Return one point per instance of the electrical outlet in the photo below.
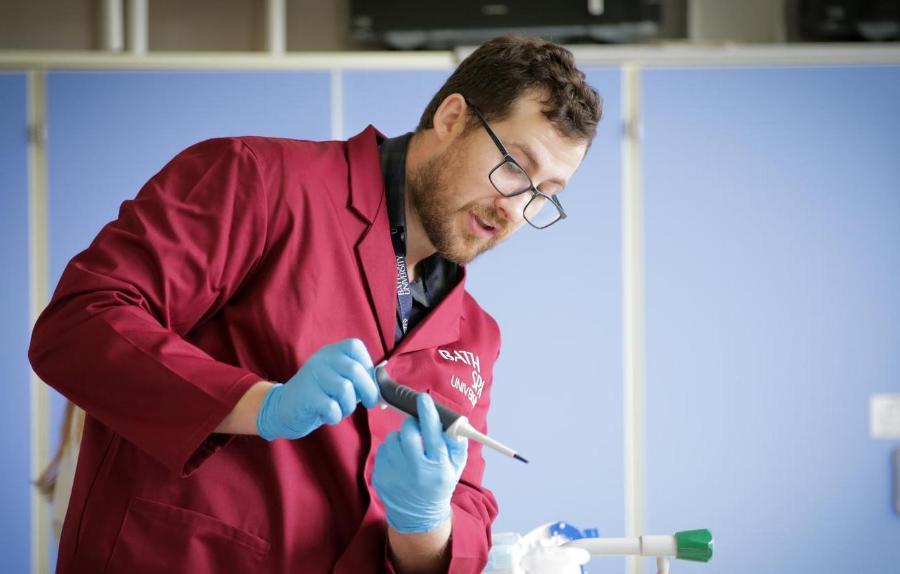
(884, 415)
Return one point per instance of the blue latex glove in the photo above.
(416, 471)
(325, 390)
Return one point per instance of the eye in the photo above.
(551, 188)
(538, 201)
(510, 169)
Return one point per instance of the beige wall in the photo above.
(223, 25)
(206, 25)
(182, 25)
(48, 24)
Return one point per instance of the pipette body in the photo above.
(404, 398)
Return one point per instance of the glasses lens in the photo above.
(541, 212)
(509, 179)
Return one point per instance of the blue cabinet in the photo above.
(772, 202)
(556, 295)
(557, 394)
(109, 132)
(771, 210)
(15, 486)
(391, 100)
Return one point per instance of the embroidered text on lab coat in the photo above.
(471, 391)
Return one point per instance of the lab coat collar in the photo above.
(441, 325)
(366, 192)
(376, 255)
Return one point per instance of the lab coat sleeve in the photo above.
(111, 338)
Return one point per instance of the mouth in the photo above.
(480, 227)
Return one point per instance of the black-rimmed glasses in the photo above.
(510, 179)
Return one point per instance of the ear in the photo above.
(450, 117)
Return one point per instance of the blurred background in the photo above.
(719, 345)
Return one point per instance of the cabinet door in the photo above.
(109, 132)
(772, 203)
(557, 394)
(15, 409)
(391, 100)
(556, 295)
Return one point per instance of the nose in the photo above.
(512, 209)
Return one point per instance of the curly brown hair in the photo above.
(503, 69)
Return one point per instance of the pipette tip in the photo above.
(517, 457)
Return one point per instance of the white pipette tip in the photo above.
(462, 428)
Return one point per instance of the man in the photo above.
(252, 260)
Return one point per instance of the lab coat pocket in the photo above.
(157, 537)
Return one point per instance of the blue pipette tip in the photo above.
(517, 457)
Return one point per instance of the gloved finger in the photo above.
(362, 378)
(339, 390)
(395, 455)
(382, 460)
(458, 450)
(430, 427)
(367, 387)
(356, 350)
(325, 408)
(411, 440)
(390, 450)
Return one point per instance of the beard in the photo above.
(432, 199)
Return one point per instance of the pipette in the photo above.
(403, 399)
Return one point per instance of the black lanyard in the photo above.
(404, 295)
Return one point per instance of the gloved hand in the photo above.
(325, 390)
(416, 471)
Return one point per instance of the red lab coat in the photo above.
(235, 263)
